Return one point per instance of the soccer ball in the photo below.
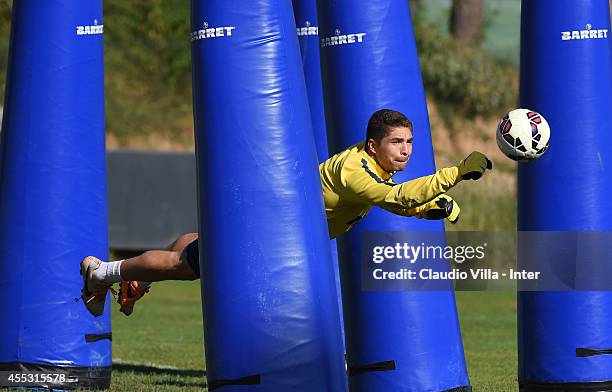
(523, 135)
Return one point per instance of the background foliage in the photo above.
(148, 71)
(148, 66)
(5, 25)
(468, 78)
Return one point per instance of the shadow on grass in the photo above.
(165, 372)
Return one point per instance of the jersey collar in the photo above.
(373, 164)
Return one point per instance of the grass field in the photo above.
(160, 347)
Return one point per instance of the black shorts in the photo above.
(192, 256)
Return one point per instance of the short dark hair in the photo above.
(382, 120)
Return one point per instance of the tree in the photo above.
(415, 7)
(466, 21)
(5, 29)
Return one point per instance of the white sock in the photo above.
(108, 273)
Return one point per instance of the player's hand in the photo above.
(474, 166)
(445, 207)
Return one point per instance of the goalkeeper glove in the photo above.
(441, 207)
(474, 166)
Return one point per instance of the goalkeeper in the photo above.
(353, 181)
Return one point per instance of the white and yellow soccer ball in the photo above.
(523, 135)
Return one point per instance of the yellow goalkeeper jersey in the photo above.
(353, 182)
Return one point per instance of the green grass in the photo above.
(164, 332)
(160, 347)
(488, 327)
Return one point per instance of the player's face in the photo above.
(394, 150)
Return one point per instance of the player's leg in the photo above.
(158, 265)
(131, 291)
(150, 266)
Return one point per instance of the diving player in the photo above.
(353, 181)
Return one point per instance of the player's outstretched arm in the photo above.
(417, 192)
(397, 198)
